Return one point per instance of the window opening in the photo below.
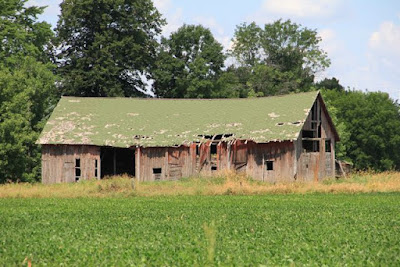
(157, 173)
(77, 170)
(269, 164)
(96, 167)
(218, 137)
(327, 145)
(313, 125)
(213, 149)
(308, 134)
(198, 150)
(213, 168)
(311, 145)
(314, 113)
(157, 170)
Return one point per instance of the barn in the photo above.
(273, 139)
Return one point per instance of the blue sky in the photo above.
(362, 38)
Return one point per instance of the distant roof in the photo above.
(126, 122)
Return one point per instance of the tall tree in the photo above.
(283, 56)
(27, 89)
(107, 47)
(189, 63)
(372, 122)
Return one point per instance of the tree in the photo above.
(108, 47)
(188, 65)
(372, 122)
(27, 89)
(283, 56)
(329, 84)
(21, 34)
(247, 44)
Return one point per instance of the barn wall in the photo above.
(174, 162)
(281, 155)
(177, 162)
(58, 162)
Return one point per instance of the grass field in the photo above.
(226, 220)
(226, 183)
(300, 229)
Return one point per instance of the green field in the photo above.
(312, 229)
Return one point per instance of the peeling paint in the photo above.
(273, 115)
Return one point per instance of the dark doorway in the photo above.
(117, 161)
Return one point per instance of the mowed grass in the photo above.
(224, 183)
(283, 229)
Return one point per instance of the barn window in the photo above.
(328, 145)
(96, 167)
(213, 168)
(77, 169)
(213, 149)
(311, 145)
(157, 173)
(313, 125)
(269, 165)
(308, 134)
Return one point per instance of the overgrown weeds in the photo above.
(224, 183)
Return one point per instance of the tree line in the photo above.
(114, 48)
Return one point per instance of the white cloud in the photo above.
(174, 21)
(331, 43)
(211, 23)
(51, 12)
(162, 5)
(302, 8)
(381, 70)
(217, 30)
(53, 7)
(386, 41)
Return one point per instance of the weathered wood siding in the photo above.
(58, 163)
(281, 156)
(174, 162)
(315, 166)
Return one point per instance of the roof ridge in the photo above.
(190, 99)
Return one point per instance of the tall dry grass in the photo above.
(225, 183)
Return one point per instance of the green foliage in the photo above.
(317, 230)
(188, 65)
(27, 94)
(21, 34)
(27, 89)
(107, 46)
(329, 84)
(233, 83)
(282, 57)
(247, 44)
(371, 124)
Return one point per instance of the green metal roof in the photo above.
(126, 122)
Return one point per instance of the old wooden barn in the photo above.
(272, 139)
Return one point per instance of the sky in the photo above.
(361, 37)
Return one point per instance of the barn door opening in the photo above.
(117, 161)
